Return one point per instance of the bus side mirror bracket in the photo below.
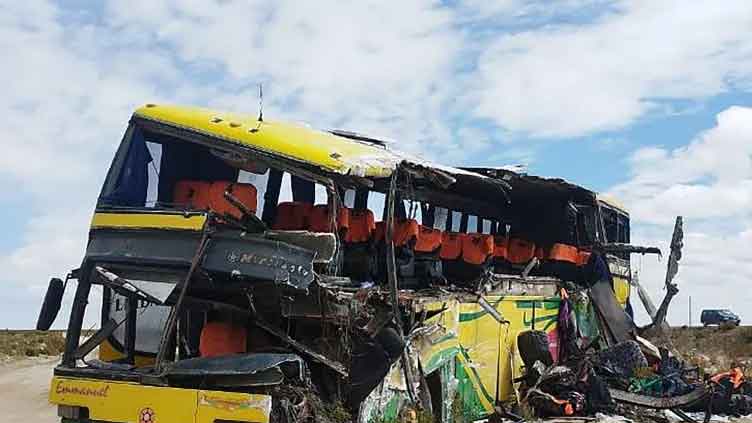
(51, 305)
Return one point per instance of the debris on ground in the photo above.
(631, 380)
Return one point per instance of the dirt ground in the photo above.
(26, 362)
(24, 384)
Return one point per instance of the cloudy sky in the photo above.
(650, 101)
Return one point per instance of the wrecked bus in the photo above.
(260, 271)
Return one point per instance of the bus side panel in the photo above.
(621, 290)
(489, 348)
(110, 401)
(470, 358)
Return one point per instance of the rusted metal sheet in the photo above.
(659, 402)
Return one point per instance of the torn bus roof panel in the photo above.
(526, 187)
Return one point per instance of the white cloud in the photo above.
(709, 182)
(368, 66)
(710, 177)
(569, 80)
(69, 90)
(50, 247)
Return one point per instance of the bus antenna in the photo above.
(261, 103)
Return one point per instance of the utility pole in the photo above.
(690, 311)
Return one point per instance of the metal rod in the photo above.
(73, 335)
(175, 311)
(391, 265)
(532, 321)
(301, 348)
(683, 415)
(131, 305)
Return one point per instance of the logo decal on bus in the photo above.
(147, 415)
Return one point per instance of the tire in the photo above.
(624, 358)
(533, 346)
(51, 304)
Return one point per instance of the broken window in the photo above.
(149, 317)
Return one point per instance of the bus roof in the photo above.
(342, 153)
(351, 154)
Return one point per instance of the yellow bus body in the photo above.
(115, 401)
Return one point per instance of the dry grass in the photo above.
(31, 343)
(716, 348)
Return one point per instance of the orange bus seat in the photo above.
(343, 219)
(477, 248)
(427, 267)
(379, 233)
(245, 193)
(362, 226)
(429, 240)
(405, 231)
(561, 262)
(220, 338)
(320, 220)
(564, 252)
(501, 263)
(501, 247)
(451, 245)
(292, 216)
(360, 260)
(192, 194)
(520, 251)
(583, 256)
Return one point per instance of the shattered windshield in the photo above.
(152, 170)
(150, 317)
